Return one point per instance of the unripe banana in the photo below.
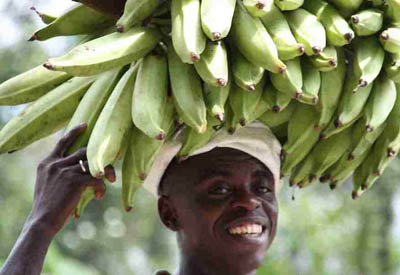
(390, 39)
(216, 24)
(215, 99)
(273, 119)
(187, 92)
(92, 104)
(392, 67)
(29, 86)
(213, 64)
(254, 42)
(349, 110)
(311, 82)
(87, 196)
(367, 22)
(363, 174)
(150, 96)
(258, 8)
(393, 10)
(45, 17)
(193, 140)
(291, 81)
(287, 5)
(187, 36)
(338, 31)
(244, 102)
(394, 127)
(307, 30)
(112, 126)
(80, 19)
(277, 100)
(325, 60)
(332, 83)
(368, 61)
(347, 6)
(45, 116)
(231, 121)
(262, 106)
(380, 102)
(278, 27)
(120, 48)
(245, 74)
(323, 155)
(136, 11)
(377, 3)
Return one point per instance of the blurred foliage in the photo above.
(320, 232)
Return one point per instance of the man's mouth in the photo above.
(247, 230)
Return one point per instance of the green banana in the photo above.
(136, 11)
(350, 108)
(216, 24)
(392, 67)
(287, 5)
(311, 82)
(112, 126)
(331, 89)
(258, 8)
(215, 99)
(362, 143)
(278, 27)
(273, 119)
(338, 31)
(87, 196)
(150, 96)
(46, 18)
(187, 92)
(394, 127)
(30, 85)
(368, 61)
(393, 10)
(276, 100)
(254, 42)
(377, 3)
(80, 19)
(245, 74)
(262, 106)
(390, 40)
(231, 121)
(323, 155)
(193, 141)
(347, 6)
(380, 102)
(213, 64)
(120, 48)
(307, 30)
(187, 35)
(325, 60)
(244, 102)
(92, 104)
(367, 22)
(45, 116)
(291, 81)
(362, 173)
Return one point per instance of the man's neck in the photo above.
(192, 265)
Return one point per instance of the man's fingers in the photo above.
(66, 141)
(98, 186)
(110, 173)
(81, 168)
(75, 157)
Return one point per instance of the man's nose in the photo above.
(246, 200)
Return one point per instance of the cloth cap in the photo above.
(256, 140)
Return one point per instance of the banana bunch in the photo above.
(324, 75)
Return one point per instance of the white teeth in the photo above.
(246, 229)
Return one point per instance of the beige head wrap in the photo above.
(256, 140)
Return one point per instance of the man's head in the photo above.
(211, 198)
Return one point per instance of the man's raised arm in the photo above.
(60, 182)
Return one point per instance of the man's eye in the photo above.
(263, 189)
(220, 190)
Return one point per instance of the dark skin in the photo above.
(60, 182)
(201, 199)
(206, 195)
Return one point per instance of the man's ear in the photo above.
(167, 213)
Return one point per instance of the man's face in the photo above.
(225, 206)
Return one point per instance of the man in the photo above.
(221, 202)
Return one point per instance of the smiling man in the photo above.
(221, 201)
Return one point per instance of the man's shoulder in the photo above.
(162, 272)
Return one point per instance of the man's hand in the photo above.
(60, 182)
